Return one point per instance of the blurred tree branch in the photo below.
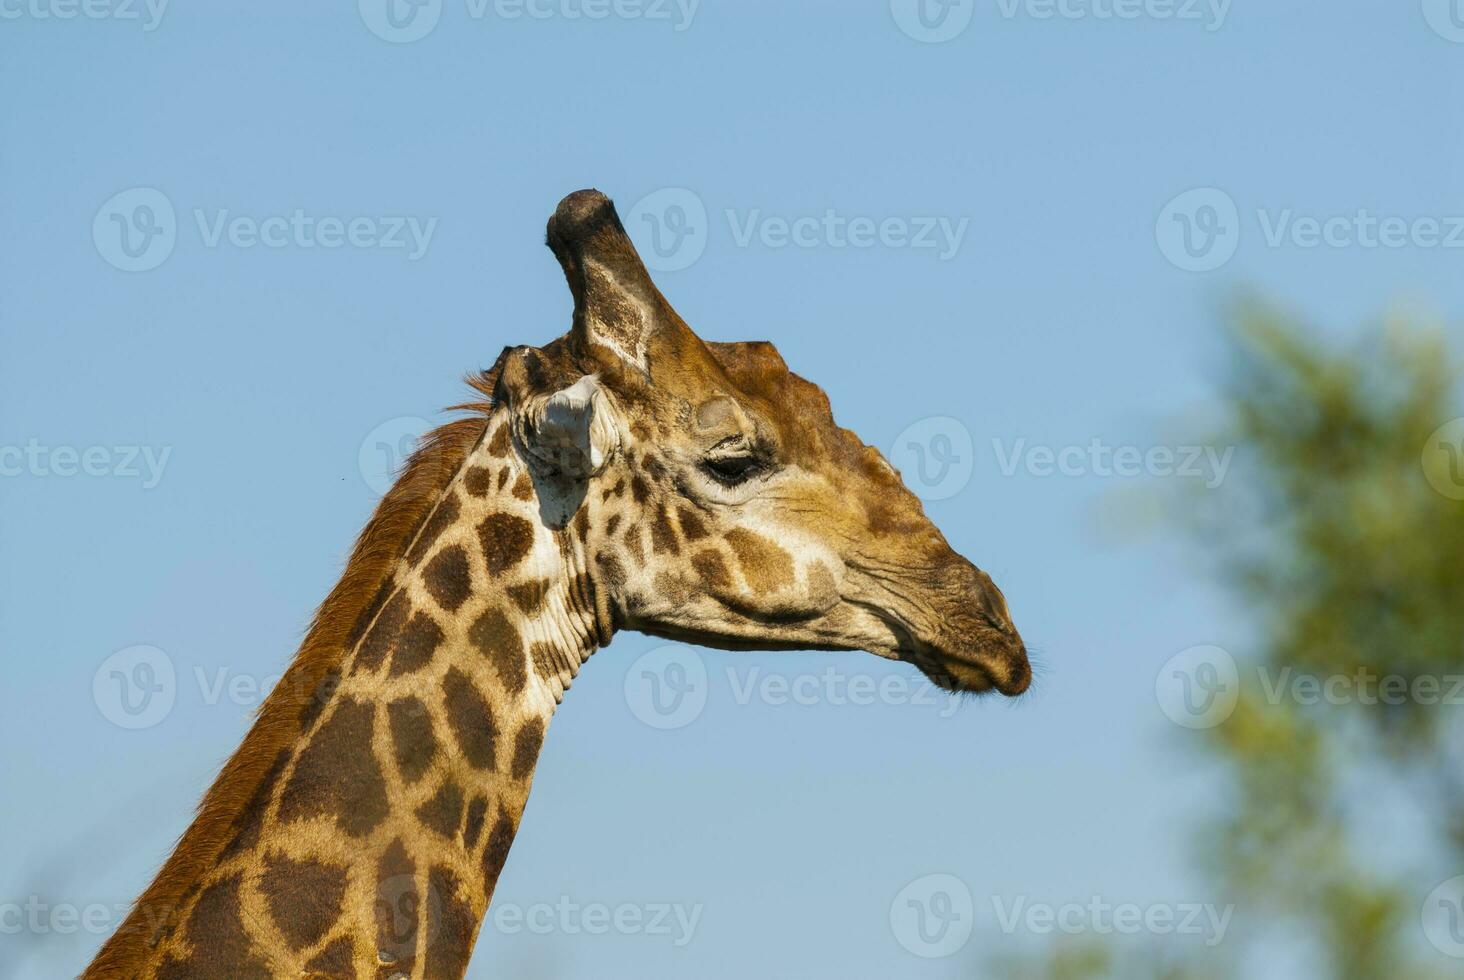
(1349, 565)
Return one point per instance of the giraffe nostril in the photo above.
(992, 604)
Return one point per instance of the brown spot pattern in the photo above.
(221, 947)
(447, 578)
(500, 839)
(672, 589)
(635, 541)
(506, 540)
(821, 585)
(251, 818)
(766, 566)
(383, 633)
(470, 719)
(663, 535)
(545, 664)
(478, 480)
(473, 825)
(498, 442)
(452, 941)
(499, 642)
(444, 811)
(523, 487)
(529, 596)
(711, 568)
(335, 960)
(411, 737)
(336, 774)
(369, 613)
(444, 517)
(691, 524)
(416, 645)
(613, 571)
(526, 747)
(397, 908)
(325, 689)
(303, 897)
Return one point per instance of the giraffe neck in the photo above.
(373, 846)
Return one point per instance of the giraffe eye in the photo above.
(732, 470)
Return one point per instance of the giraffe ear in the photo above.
(566, 433)
(569, 433)
(617, 308)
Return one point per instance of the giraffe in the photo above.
(627, 475)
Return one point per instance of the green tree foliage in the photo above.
(1340, 787)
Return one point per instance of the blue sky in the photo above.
(189, 449)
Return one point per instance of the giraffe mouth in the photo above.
(1010, 679)
(1008, 675)
(966, 659)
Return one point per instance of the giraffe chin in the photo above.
(1009, 674)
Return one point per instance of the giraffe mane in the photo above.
(392, 526)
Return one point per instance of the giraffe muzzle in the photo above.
(964, 640)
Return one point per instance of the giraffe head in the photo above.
(715, 499)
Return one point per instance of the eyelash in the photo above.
(735, 469)
(732, 470)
